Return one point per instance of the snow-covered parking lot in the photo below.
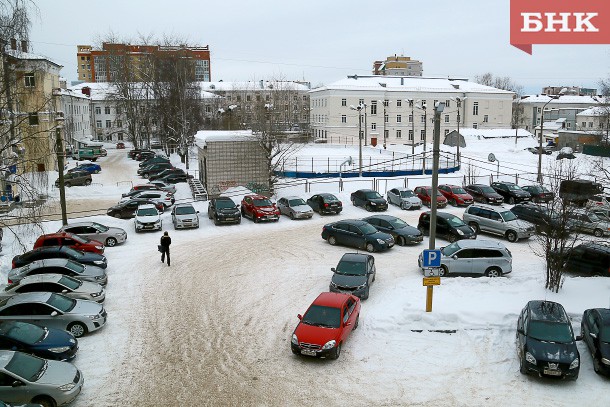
(214, 328)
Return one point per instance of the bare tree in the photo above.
(500, 82)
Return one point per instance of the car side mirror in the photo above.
(334, 270)
(300, 317)
(64, 291)
(348, 323)
(54, 313)
(521, 331)
(592, 335)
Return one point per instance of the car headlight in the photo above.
(460, 233)
(575, 363)
(98, 262)
(95, 295)
(531, 359)
(67, 387)
(373, 203)
(606, 361)
(94, 317)
(333, 284)
(360, 287)
(99, 247)
(380, 241)
(60, 349)
(329, 345)
(294, 339)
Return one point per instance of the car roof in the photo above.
(381, 216)
(56, 234)
(496, 208)
(146, 206)
(355, 257)
(355, 222)
(335, 300)
(596, 246)
(255, 196)
(327, 195)
(55, 262)
(444, 215)
(27, 297)
(504, 182)
(5, 357)
(69, 225)
(45, 277)
(366, 190)
(403, 189)
(479, 244)
(224, 198)
(604, 313)
(183, 204)
(291, 197)
(541, 310)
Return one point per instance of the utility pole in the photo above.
(438, 109)
(412, 106)
(359, 109)
(60, 167)
(425, 137)
(459, 137)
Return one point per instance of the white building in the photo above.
(388, 112)
(76, 107)
(565, 107)
(595, 119)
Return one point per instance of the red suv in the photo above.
(425, 194)
(457, 196)
(259, 208)
(326, 325)
(69, 239)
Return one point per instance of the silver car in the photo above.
(185, 216)
(67, 267)
(32, 379)
(589, 222)
(497, 220)
(294, 207)
(110, 236)
(55, 283)
(54, 311)
(164, 186)
(404, 198)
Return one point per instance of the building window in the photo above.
(475, 108)
(386, 103)
(485, 119)
(107, 109)
(539, 110)
(119, 136)
(475, 125)
(361, 102)
(343, 118)
(386, 118)
(119, 123)
(248, 98)
(398, 134)
(374, 107)
(33, 119)
(399, 103)
(386, 134)
(343, 102)
(30, 81)
(590, 124)
(447, 102)
(411, 135)
(98, 124)
(398, 118)
(109, 137)
(373, 126)
(118, 110)
(446, 118)
(584, 124)
(98, 110)
(422, 119)
(569, 125)
(446, 132)
(422, 134)
(410, 118)
(108, 124)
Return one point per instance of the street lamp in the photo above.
(59, 120)
(458, 102)
(438, 109)
(551, 98)
(412, 106)
(422, 105)
(385, 105)
(359, 108)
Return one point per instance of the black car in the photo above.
(541, 218)
(47, 343)
(448, 226)
(145, 155)
(358, 234)
(369, 200)
(539, 193)
(545, 341)
(62, 252)
(168, 171)
(484, 194)
(354, 275)
(153, 169)
(223, 210)
(325, 204)
(134, 152)
(126, 210)
(174, 178)
(592, 259)
(595, 331)
(511, 192)
(153, 160)
(401, 231)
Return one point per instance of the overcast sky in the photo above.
(322, 41)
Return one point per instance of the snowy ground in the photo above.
(214, 328)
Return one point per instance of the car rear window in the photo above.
(262, 202)
(185, 210)
(558, 332)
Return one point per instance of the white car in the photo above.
(164, 186)
(147, 218)
(294, 207)
(404, 198)
(166, 198)
(185, 216)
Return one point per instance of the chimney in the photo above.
(24, 46)
(86, 90)
(14, 44)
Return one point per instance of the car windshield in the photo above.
(70, 282)
(261, 202)
(80, 239)
(74, 266)
(62, 303)
(351, 268)
(487, 190)
(397, 223)
(451, 249)
(329, 198)
(459, 191)
(594, 218)
(508, 216)
(100, 227)
(549, 331)
(535, 189)
(22, 332)
(147, 212)
(318, 315)
(604, 333)
(368, 229)
(72, 252)
(222, 204)
(513, 187)
(296, 202)
(455, 221)
(26, 366)
(372, 195)
(185, 210)
(406, 194)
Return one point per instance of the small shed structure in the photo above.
(470, 135)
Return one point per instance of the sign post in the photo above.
(432, 267)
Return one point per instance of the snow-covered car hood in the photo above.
(301, 208)
(412, 200)
(148, 218)
(86, 307)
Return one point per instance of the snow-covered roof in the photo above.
(202, 137)
(30, 57)
(73, 94)
(409, 83)
(493, 133)
(106, 90)
(253, 86)
(596, 111)
(567, 99)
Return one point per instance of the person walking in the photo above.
(164, 246)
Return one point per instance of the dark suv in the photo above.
(541, 218)
(223, 210)
(153, 169)
(448, 226)
(484, 194)
(369, 200)
(325, 204)
(588, 259)
(511, 192)
(75, 178)
(353, 275)
(545, 341)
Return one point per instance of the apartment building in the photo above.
(595, 120)
(77, 114)
(569, 90)
(563, 107)
(398, 65)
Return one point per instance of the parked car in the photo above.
(162, 197)
(545, 341)
(448, 227)
(536, 150)
(67, 267)
(456, 195)
(539, 193)
(164, 186)
(325, 204)
(162, 174)
(404, 198)
(579, 191)
(56, 283)
(145, 155)
(326, 325)
(133, 153)
(37, 380)
(401, 231)
(60, 252)
(110, 236)
(155, 168)
(595, 331)
(602, 213)
(561, 155)
(259, 208)
(498, 221)
(484, 194)
(91, 168)
(544, 221)
(147, 218)
(71, 240)
(511, 192)
(54, 311)
(120, 145)
(185, 216)
(48, 343)
(154, 160)
(589, 259)
(76, 178)
(358, 234)
(599, 201)
(223, 210)
(294, 207)
(588, 222)
(125, 210)
(353, 275)
(474, 257)
(175, 178)
(141, 187)
(369, 199)
(425, 194)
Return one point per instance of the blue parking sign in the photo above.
(432, 258)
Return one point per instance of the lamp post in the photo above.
(422, 106)
(412, 106)
(438, 109)
(365, 125)
(551, 98)
(458, 102)
(359, 108)
(385, 105)
(59, 120)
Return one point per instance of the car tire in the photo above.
(422, 230)
(67, 184)
(357, 322)
(511, 200)
(493, 272)
(368, 208)
(401, 241)
(336, 352)
(370, 248)
(451, 238)
(511, 236)
(77, 329)
(44, 401)
(291, 215)
(596, 365)
(365, 296)
(403, 206)
(475, 227)
(111, 242)
(296, 352)
(522, 368)
(87, 182)
(598, 233)
(443, 272)
(216, 221)
(254, 218)
(452, 202)
(332, 240)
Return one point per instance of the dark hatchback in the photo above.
(545, 341)
(511, 192)
(166, 172)
(541, 218)
(448, 226)
(354, 275)
(539, 193)
(127, 209)
(325, 204)
(358, 234)
(369, 200)
(223, 210)
(174, 178)
(588, 259)
(62, 252)
(48, 343)
(401, 231)
(595, 331)
(484, 194)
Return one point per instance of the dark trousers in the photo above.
(163, 253)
